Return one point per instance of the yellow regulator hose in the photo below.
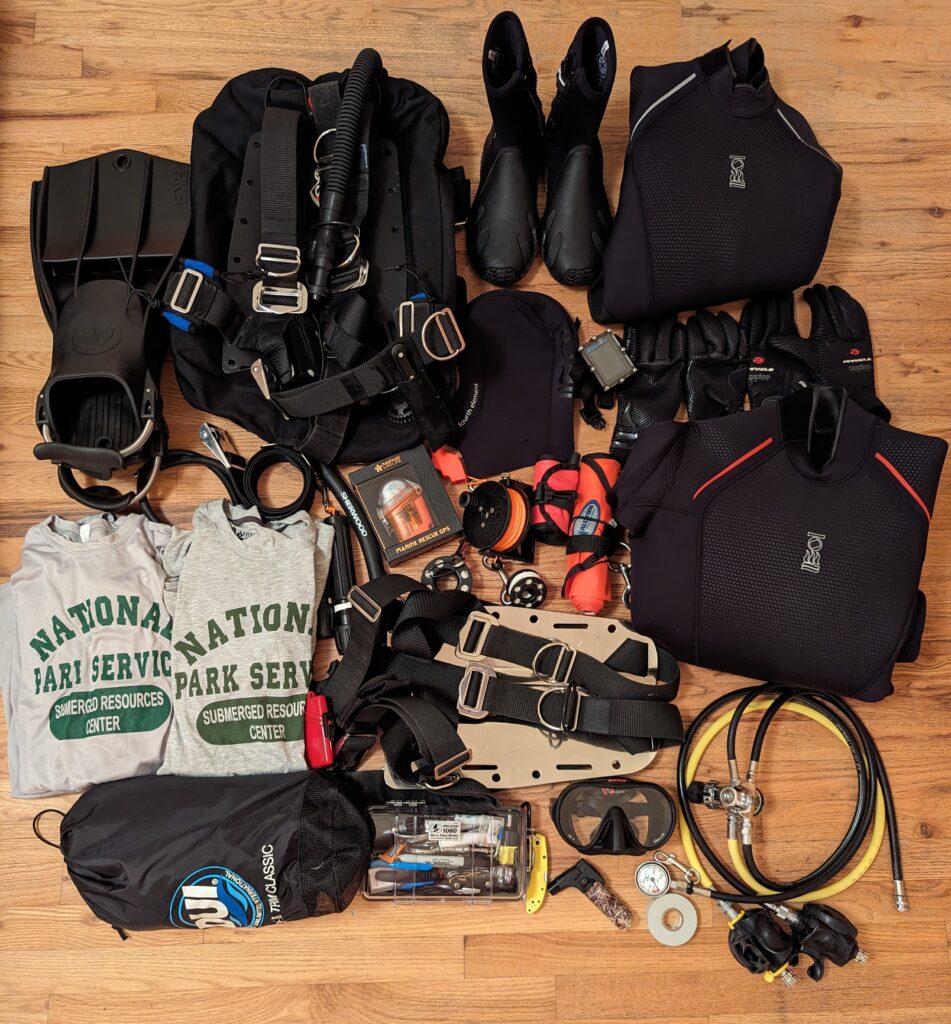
(860, 868)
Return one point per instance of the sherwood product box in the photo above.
(406, 504)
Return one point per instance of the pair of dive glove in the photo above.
(711, 362)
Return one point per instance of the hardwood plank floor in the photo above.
(79, 77)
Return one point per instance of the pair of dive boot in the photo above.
(503, 228)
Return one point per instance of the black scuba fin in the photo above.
(105, 233)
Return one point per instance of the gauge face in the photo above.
(652, 879)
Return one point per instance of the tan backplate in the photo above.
(506, 755)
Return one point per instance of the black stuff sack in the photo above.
(238, 852)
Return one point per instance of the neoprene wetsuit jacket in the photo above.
(784, 544)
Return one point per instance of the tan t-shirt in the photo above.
(85, 654)
(243, 594)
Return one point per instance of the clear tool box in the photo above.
(422, 853)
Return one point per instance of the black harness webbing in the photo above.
(394, 687)
(279, 177)
(596, 546)
(546, 496)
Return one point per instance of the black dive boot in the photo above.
(577, 218)
(503, 224)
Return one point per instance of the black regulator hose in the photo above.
(870, 776)
(333, 195)
(242, 479)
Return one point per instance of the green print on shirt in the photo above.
(117, 709)
(244, 622)
(252, 720)
(214, 679)
(104, 668)
(99, 612)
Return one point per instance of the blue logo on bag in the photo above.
(216, 897)
(587, 520)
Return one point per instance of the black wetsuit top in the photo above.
(758, 551)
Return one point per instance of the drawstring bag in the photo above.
(235, 852)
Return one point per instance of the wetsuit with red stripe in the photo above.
(785, 543)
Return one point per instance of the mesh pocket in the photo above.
(334, 847)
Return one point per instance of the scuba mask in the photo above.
(616, 816)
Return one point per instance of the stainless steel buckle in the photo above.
(189, 273)
(284, 259)
(486, 673)
(452, 338)
(320, 138)
(352, 255)
(463, 651)
(564, 663)
(364, 604)
(270, 298)
(315, 190)
(402, 327)
(450, 780)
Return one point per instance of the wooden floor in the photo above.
(79, 77)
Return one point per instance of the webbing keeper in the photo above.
(364, 604)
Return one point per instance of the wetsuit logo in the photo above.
(810, 560)
(216, 897)
(737, 171)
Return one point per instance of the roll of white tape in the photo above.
(659, 908)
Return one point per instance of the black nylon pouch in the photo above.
(237, 852)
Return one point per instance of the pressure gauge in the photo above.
(652, 879)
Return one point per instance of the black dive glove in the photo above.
(780, 359)
(716, 365)
(837, 353)
(843, 346)
(654, 393)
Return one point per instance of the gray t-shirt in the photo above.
(85, 654)
(243, 595)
